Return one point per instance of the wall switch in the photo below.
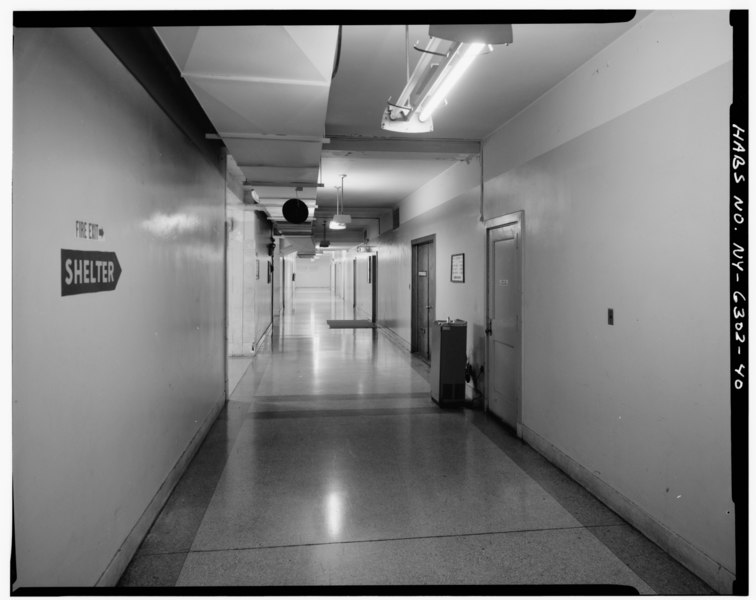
(611, 316)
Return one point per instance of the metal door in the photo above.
(504, 322)
(424, 288)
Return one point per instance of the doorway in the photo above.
(354, 286)
(423, 293)
(372, 264)
(504, 307)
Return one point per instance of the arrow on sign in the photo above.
(87, 271)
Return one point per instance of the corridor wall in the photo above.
(456, 223)
(631, 213)
(111, 390)
(622, 171)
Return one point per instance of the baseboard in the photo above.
(714, 574)
(128, 549)
(394, 337)
(262, 339)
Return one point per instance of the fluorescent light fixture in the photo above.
(451, 74)
(438, 70)
(341, 219)
(336, 225)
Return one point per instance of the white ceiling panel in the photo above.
(376, 182)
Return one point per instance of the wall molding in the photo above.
(128, 549)
(705, 567)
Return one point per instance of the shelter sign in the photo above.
(86, 271)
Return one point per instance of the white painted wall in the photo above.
(109, 388)
(235, 269)
(314, 273)
(622, 173)
(456, 224)
(631, 213)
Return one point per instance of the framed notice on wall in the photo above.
(458, 268)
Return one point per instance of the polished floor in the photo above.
(330, 466)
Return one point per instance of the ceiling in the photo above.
(299, 106)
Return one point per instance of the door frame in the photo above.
(413, 288)
(373, 263)
(354, 283)
(515, 218)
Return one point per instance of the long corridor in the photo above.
(331, 466)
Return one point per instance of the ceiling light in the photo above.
(340, 220)
(438, 70)
(448, 78)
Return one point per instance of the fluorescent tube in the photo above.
(448, 79)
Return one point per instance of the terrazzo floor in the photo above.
(330, 466)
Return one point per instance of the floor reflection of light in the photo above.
(334, 513)
(316, 355)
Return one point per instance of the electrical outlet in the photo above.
(611, 316)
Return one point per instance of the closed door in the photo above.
(424, 288)
(504, 322)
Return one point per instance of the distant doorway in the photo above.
(423, 293)
(372, 265)
(503, 331)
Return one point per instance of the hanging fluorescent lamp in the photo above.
(340, 220)
(434, 77)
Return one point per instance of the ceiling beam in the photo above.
(253, 184)
(270, 137)
(253, 79)
(450, 146)
(261, 166)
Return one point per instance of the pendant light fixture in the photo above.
(340, 220)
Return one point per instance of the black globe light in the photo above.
(295, 211)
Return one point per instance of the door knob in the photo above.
(428, 307)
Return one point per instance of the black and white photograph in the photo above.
(416, 301)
